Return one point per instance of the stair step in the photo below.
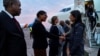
(93, 41)
(95, 46)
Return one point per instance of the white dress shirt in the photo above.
(8, 14)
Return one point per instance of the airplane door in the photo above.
(97, 8)
(80, 5)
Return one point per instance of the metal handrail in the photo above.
(88, 31)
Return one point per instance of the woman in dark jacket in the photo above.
(76, 44)
(54, 43)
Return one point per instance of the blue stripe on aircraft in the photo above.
(98, 11)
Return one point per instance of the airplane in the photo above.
(64, 13)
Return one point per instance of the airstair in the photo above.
(93, 37)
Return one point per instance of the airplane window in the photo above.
(65, 9)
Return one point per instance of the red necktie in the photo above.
(17, 24)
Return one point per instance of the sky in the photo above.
(31, 7)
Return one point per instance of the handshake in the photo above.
(61, 38)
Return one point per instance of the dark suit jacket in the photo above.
(54, 30)
(40, 35)
(12, 42)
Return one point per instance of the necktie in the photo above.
(17, 24)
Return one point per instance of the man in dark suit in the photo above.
(40, 35)
(12, 42)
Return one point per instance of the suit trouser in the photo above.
(98, 52)
(40, 52)
(93, 23)
(77, 55)
(53, 50)
(64, 49)
(60, 50)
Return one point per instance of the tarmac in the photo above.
(30, 52)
